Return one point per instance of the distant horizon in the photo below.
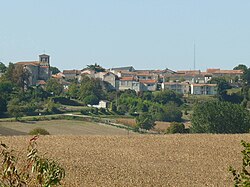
(144, 33)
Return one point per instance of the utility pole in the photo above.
(194, 57)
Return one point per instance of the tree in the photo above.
(241, 67)
(54, 70)
(222, 86)
(176, 128)
(3, 68)
(91, 100)
(3, 106)
(145, 121)
(246, 77)
(90, 86)
(171, 112)
(73, 91)
(220, 117)
(95, 67)
(53, 86)
(167, 96)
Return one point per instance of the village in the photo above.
(193, 82)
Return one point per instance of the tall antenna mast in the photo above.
(194, 57)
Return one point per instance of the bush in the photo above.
(86, 111)
(94, 110)
(176, 128)
(39, 131)
(242, 178)
(35, 171)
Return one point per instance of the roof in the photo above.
(127, 79)
(33, 63)
(195, 72)
(176, 83)
(229, 72)
(148, 81)
(40, 82)
(71, 71)
(127, 68)
(212, 70)
(198, 85)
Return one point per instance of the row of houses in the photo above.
(184, 82)
(124, 78)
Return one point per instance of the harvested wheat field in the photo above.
(60, 127)
(144, 160)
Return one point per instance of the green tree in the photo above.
(220, 117)
(91, 100)
(241, 67)
(90, 86)
(3, 68)
(73, 91)
(96, 67)
(145, 121)
(176, 128)
(3, 106)
(166, 96)
(53, 86)
(246, 77)
(222, 86)
(54, 70)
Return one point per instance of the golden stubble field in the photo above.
(141, 160)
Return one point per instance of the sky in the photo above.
(147, 34)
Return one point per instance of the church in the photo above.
(39, 70)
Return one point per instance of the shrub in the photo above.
(176, 128)
(39, 131)
(35, 171)
(86, 111)
(242, 178)
(94, 110)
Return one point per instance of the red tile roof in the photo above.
(40, 82)
(127, 79)
(33, 63)
(198, 85)
(148, 81)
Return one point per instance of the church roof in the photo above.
(33, 63)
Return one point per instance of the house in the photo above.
(108, 77)
(71, 74)
(102, 104)
(182, 88)
(123, 69)
(204, 89)
(149, 85)
(39, 70)
(131, 83)
(229, 74)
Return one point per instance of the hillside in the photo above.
(172, 160)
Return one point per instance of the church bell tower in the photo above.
(44, 60)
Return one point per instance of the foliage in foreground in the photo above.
(242, 178)
(36, 171)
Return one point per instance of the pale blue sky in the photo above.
(148, 34)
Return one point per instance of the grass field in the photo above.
(60, 127)
(143, 160)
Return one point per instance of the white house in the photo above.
(204, 89)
